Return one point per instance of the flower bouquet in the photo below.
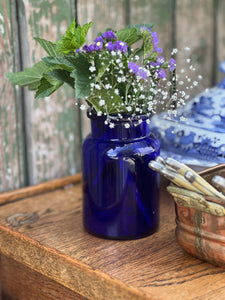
(122, 86)
(114, 78)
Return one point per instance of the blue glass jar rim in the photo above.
(116, 119)
(119, 132)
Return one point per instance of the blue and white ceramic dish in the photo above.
(199, 139)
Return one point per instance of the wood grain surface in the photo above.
(57, 246)
(20, 282)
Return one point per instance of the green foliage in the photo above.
(48, 46)
(112, 107)
(30, 77)
(109, 74)
(73, 39)
(128, 35)
(81, 74)
(47, 86)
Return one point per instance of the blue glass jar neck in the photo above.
(136, 129)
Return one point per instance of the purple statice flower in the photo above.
(160, 60)
(155, 38)
(143, 28)
(158, 49)
(137, 70)
(98, 46)
(110, 46)
(172, 64)
(99, 39)
(109, 35)
(90, 48)
(161, 73)
(120, 45)
(152, 64)
(133, 67)
(141, 73)
(155, 42)
(78, 50)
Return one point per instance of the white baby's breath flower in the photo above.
(174, 51)
(111, 125)
(136, 57)
(108, 86)
(99, 113)
(92, 68)
(127, 125)
(83, 107)
(102, 102)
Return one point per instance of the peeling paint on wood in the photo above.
(194, 22)
(11, 151)
(53, 123)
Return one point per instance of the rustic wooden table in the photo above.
(47, 254)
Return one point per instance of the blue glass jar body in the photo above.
(120, 191)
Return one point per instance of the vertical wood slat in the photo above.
(220, 19)
(11, 138)
(50, 122)
(194, 22)
(160, 14)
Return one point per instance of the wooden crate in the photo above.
(47, 254)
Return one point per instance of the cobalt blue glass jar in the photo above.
(120, 191)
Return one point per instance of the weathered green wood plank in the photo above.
(11, 146)
(52, 121)
(194, 27)
(220, 37)
(160, 14)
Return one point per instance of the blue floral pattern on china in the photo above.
(196, 135)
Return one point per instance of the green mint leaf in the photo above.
(66, 46)
(71, 29)
(84, 30)
(128, 35)
(60, 62)
(47, 86)
(48, 46)
(82, 74)
(74, 38)
(29, 76)
(63, 76)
